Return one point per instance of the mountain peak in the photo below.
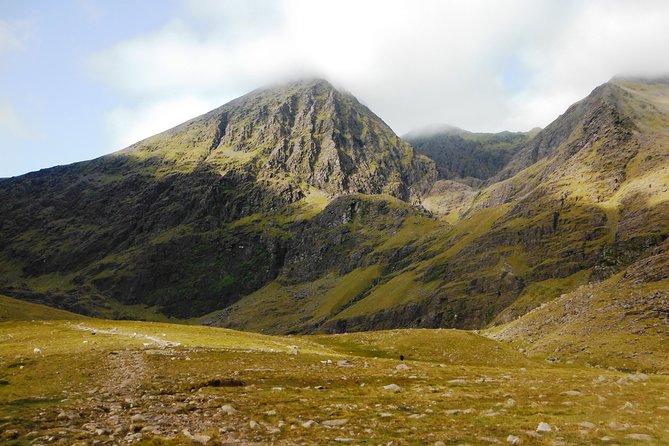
(301, 132)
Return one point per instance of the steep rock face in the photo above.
(308, 131)
(463, 155)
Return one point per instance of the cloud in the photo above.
(14, 34)
(12, 123)
(481, 65)
(127, 125)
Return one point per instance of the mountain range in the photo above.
(295, 209)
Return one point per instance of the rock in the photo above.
(509, 403)
(439, 443)
(89, 427)
(640, 437)
(458, 381)
(633, 378)
(544, 427)
(271, 413)
(457, 411)
(150, 429)
(121, 430)
(571, 393)
(308, 424)
(402, 367)
(512, 439)
(393, 388)
(385, 415)
(627, 406)
(228, 409)
(201, 438)
(11, 434)
(253, 424)
(138, 418)
(68, 416)
(586, 425)
(277, 389)
(334, 423)
(344, 363)
(131, 438)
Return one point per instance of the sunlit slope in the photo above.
(17, 310)
(621, 322)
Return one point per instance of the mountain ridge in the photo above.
(251, 217)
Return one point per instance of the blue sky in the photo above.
(81, 78)
(59, 106)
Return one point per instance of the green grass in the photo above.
(348, 287)
(397, 291)
(456, 387)
(17, 310)
(614, 323)
(541, 292)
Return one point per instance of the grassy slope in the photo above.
(459, 387)
(16, 310)
(622, 322)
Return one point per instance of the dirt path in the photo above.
(126, 370)
(115, 332)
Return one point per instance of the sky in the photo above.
(82, 78)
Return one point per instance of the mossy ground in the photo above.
(131, 381)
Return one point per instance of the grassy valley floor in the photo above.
(89, 381)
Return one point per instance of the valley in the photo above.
(154, 383)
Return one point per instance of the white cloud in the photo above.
(127, 125)
(14, 34)
(11, 121)
(481, 65)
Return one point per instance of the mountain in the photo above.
(189, 220)
(593, 202)
(294, 209)
(464, 155)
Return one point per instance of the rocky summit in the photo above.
(295, 209)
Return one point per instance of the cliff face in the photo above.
(308, 132)
(467, 156)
